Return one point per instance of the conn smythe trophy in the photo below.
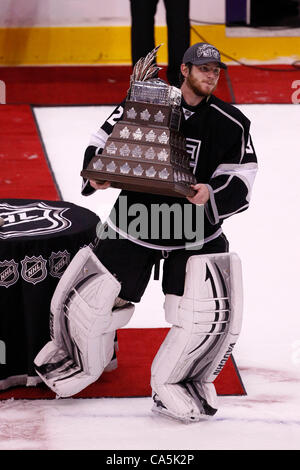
(146, 152)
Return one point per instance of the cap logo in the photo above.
(207, 51)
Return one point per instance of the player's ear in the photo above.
(184, 70)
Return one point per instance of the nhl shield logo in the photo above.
(58, 263)
(8, 273)
(38, 218)
(34, 269)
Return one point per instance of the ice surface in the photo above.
(267, 418)
(266, 237)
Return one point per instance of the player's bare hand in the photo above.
(202, 194)
(104, 185)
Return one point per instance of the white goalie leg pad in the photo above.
(83, 322)
(206, 324)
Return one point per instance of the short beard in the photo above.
(195, 89)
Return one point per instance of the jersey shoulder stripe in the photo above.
(231, 112)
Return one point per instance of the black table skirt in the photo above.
(37, 242)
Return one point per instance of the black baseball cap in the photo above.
(203, 53)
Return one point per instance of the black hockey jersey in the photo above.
(221, 156)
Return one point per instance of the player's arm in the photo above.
(231, 183)
(95, 147)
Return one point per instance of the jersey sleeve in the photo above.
(231, 183)
(97, 143)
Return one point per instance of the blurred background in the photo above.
(97, 33)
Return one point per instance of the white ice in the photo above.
(268, 351)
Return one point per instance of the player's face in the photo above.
(203, 79)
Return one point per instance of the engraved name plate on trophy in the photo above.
(146, 151)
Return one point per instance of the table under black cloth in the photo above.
(37, 242)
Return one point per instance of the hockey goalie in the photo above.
(202, 286)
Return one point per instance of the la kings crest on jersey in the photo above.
(193, 149)
(192, 144)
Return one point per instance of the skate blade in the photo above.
(167, 414)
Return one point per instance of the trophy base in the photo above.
(141, 185)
